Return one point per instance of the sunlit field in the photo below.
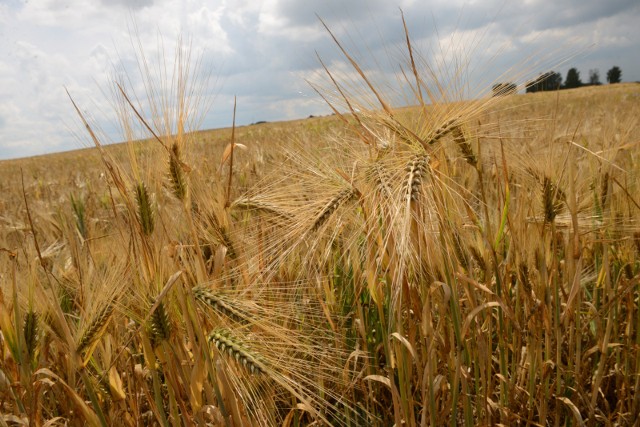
(455, 262)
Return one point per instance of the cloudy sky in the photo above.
(264, 52)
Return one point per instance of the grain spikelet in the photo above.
(227, 344)
(79, 212)
(464, 146)
(30, 331)
(176, 173)
(381, 178)
(443, 130)
(145, 209)
(220, 305)
(415, 169)
(551, 198)
(478, 258)
(604, 190)
(523, 272)
(261, 205)
(331, 206)
(160, 324)
(96, 327)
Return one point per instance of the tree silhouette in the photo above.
(594, 77)
(546, 81)
(573, 79)
(614, 75)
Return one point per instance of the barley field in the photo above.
(455, 262)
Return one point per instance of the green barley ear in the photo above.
(145, 209)
(229, 345)
(96, 328)
(160, 325)
(79, 213)
(66, 299)
(604, 190)
(30, 331)
(176, 173)
(552, 199)
(220, 305)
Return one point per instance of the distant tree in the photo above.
(594, 77)
(502, 89)
(614, 75)
(546, 81)
(573, 79)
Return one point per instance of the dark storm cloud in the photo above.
(567, 13)
(370, 19)
(380, 31)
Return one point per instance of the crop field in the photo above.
(456, 262)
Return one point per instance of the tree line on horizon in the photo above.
(552, 80)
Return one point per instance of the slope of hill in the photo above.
(469, 263)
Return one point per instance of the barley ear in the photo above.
(176, 173)
(604, 190)
(79, 212)
(30, 331)
(145, 209)
(442, 131)
(464, 146)
(331, 206)
(95, 329)
(415, 169)
(159, 325)
(552, 199)
(220, 305)
(229, 345)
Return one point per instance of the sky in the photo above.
(265, 54)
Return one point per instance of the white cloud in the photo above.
(263, 50)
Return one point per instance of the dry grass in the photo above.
(453, 263)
